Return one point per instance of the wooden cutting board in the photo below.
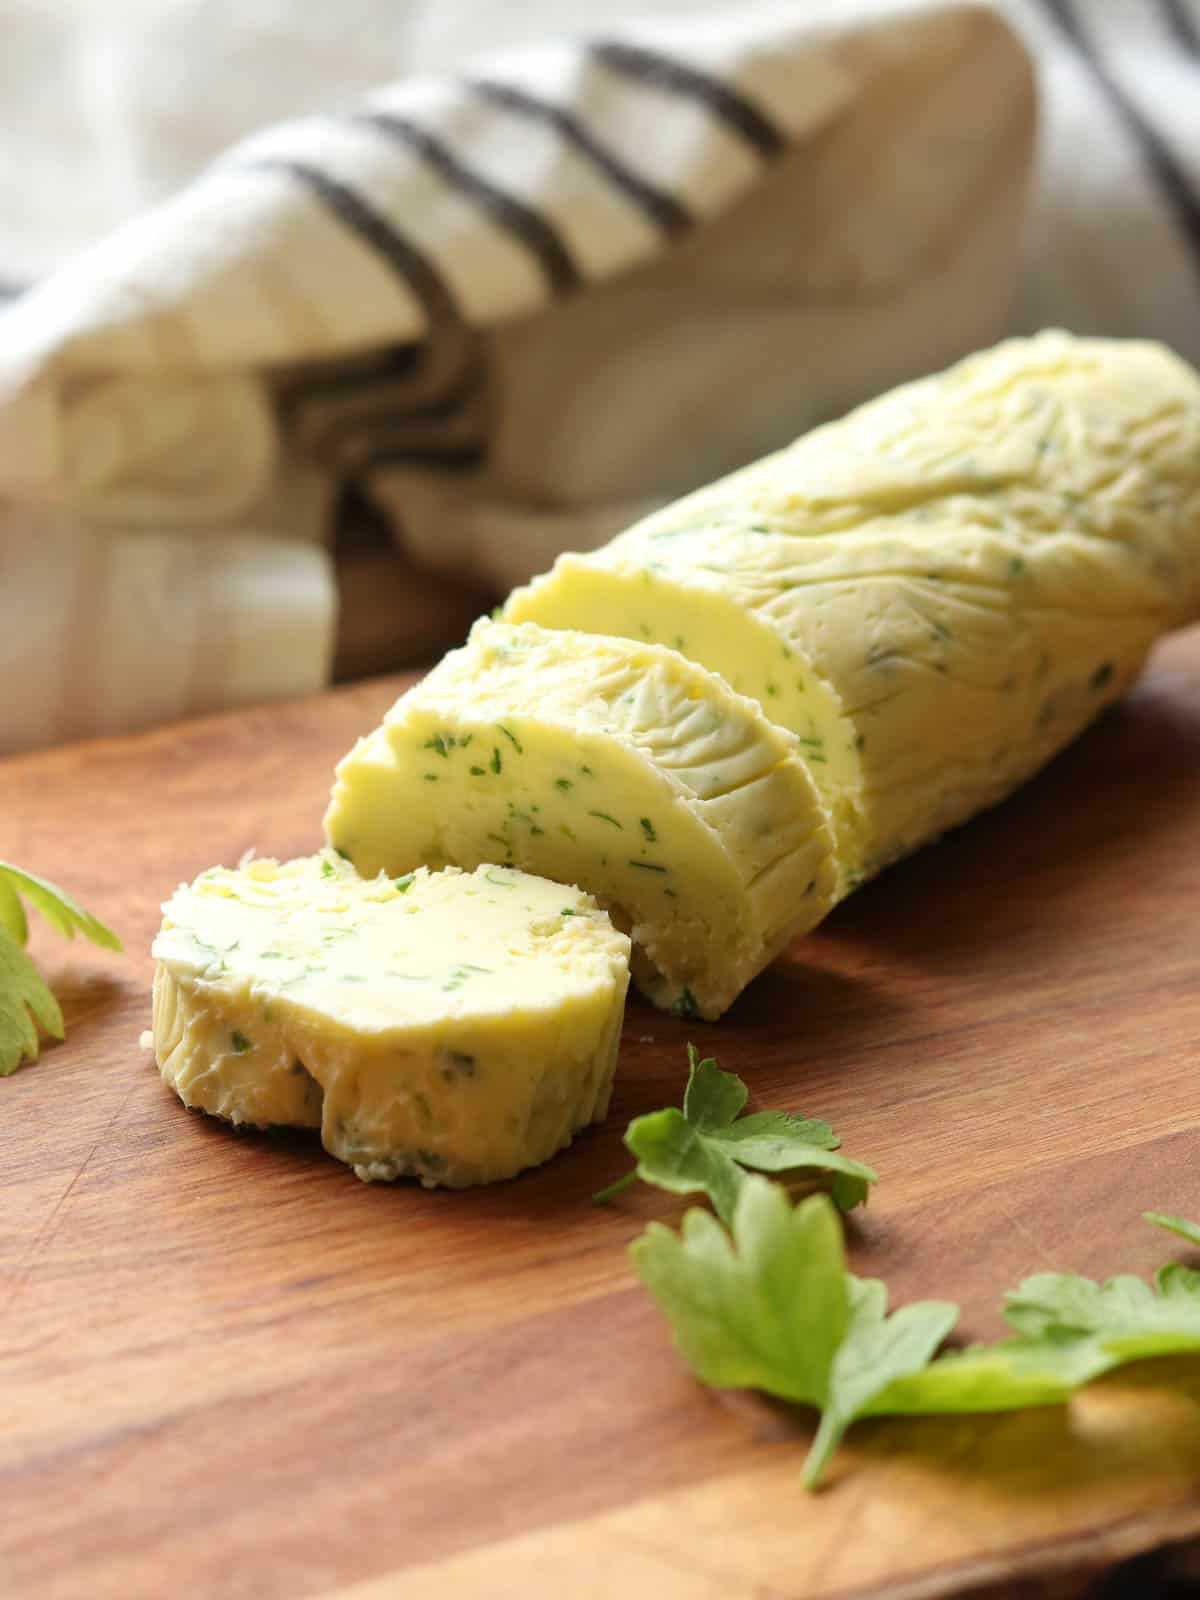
(231, 1369)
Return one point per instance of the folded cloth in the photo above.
(517, 306)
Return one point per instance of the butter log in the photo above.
(939, 591)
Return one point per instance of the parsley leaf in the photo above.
(769, 1305)
(877, 1352)
(705, 1147)
(1128, 1317)
(1180, 1225)
(1070, 1330)
(1006, 1376)
(23, 991)
(63, 914)
(773, 1308)
(25, 999)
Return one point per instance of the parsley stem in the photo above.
(824, 1444)
(614, 1189)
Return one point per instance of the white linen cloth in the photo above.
(519, 301)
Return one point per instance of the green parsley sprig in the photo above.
(1180, 1225)
(26, 1003)
(769, 1305)
(705, 1147)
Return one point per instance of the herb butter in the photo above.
(939, 591)
(456, 1027)
(616, 765)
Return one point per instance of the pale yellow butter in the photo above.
(455, 1027)
(616, 765)
(937, 592)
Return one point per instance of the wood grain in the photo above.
(229, 1369)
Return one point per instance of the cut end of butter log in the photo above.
(452, 1026)
(617, 765)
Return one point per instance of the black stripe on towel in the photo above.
(416, 270)
(663, 209)
(375, 412)
(335, 379)
(531, 229)
(1167, 173)
(1183, 25)
(732, 108)
(450, 457)
(424, 281)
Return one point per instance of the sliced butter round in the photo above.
(456, 1027)
(937, 592)
(619, 766)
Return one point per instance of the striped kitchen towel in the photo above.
(518, 305)
(1113, 236)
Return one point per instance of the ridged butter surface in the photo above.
(937, 592)
(452, 1026)
(619, 766)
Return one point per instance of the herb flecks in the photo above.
(1102, 677)
(685, 1005)
(458, 1064)
(462, 973)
